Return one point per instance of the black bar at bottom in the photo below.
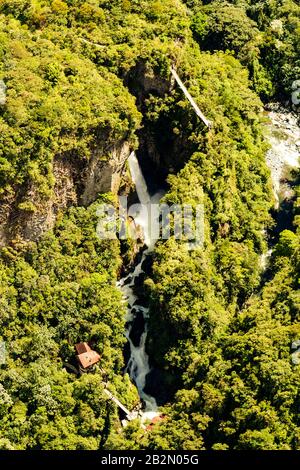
(137, 459)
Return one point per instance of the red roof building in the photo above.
(86, 356)
(155, 420)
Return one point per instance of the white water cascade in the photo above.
(138, 364)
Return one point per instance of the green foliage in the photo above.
(223, 346)
(57, 103)
(265, 36)
(61, 291)
(239, 388)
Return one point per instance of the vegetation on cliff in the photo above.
(72, 69)
(55, 294)
(264, 36)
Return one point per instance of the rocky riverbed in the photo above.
(284, 137)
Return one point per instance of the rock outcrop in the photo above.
(75, 184)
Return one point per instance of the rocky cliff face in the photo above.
(142, 80)
(103, 173)
(75, 184)
(78, 182)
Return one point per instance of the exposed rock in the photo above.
(142, 80)
(127, 280)
(137, 329)
(139, 280)
(2, 93)
(126, 352)
(284, 153)
(75, 183)
(147, 264)
(156, 386)
(103, 173)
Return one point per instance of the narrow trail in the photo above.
(86, 41)
(190, 99)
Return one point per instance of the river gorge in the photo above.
(283, 134)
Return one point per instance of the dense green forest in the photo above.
(82, 73)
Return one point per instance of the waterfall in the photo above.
(138, 364)
(138, 179)
(142, 218)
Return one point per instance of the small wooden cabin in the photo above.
(86, 356)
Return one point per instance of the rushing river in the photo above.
(138, 364)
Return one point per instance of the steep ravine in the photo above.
(138, 365)
(282, 158)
